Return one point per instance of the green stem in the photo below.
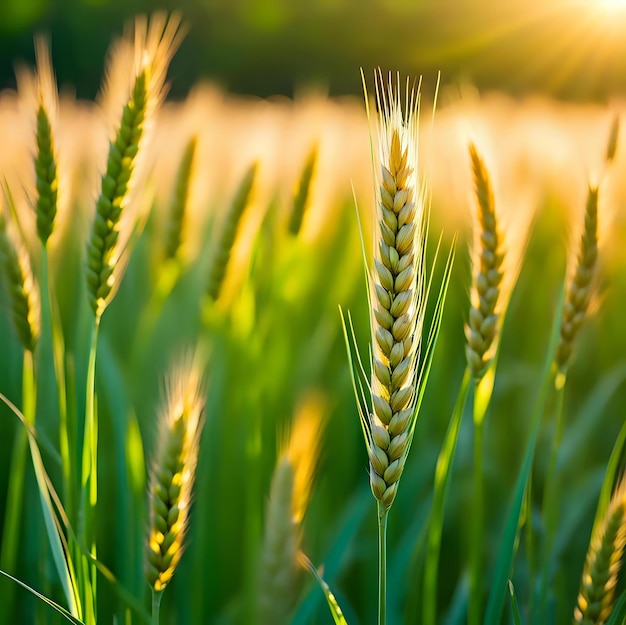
(443, 472)
(15, 494)
(156, 606)
(254, 521)
(89, 477)
(67, 438)
(382, 564)
(476, 547)
(551, 495)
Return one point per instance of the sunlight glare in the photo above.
(611, 5)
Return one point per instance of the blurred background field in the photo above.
(274, 336)
(567, 48)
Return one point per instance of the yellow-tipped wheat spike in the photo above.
(174, 234)
(398, 293)
(611, 147)
(279, 572)
(154, 47)
(21, 288)
(228, 235)
(302, 193)
(579, 292)
(482, 326)
(45, 162)
(597, 587)
(279, 568)
(173, 472)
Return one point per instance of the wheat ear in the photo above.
(45, 161)
(398, 292)
(172, 476)
(178, 208)
(597, 587)
(279, 571)
(302, 192)
(579, 292)
(482, 326)
(154, 47)
(21, 288)
(228, 235)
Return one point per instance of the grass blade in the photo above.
(333, 606)
(508, 544)
(59, 549)
(55, 606)
(442, 480)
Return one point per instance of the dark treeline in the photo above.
(279, 46)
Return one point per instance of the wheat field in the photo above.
(194, 439)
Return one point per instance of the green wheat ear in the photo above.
(102, 250)
(224, 246)
(45, 162)
(178, 208)
(302, 192)
(172, 476)
(20, 284)
(597, 587)
(154, 47)
(279, 579)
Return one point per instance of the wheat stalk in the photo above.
(172, 475)
(228, 234)
(153, 49)
(180, 200)
(603, 562)
(482, 326)
(579, 291)
(45, 161)
(279, 572)
(398, 284)
(21, 287)
(302, 192)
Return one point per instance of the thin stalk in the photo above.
(443, 473)
(551, 494)
(382, 564)
(156, 606)
(67, 440)
(476, 586)
(14, 505)
(89, 477)
(253, 520)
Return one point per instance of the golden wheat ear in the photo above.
(279, 577)
(173, 473)
(482, 327)
(398, 290)
(580, 288)
(597, 587)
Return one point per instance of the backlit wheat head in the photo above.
(40, 95)
(397, 290)
(279, 571)
(152, 48)
(180, 200)
(20, 285)
(580, 291)
(597, 587)
(173, 471)
(482, 326)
